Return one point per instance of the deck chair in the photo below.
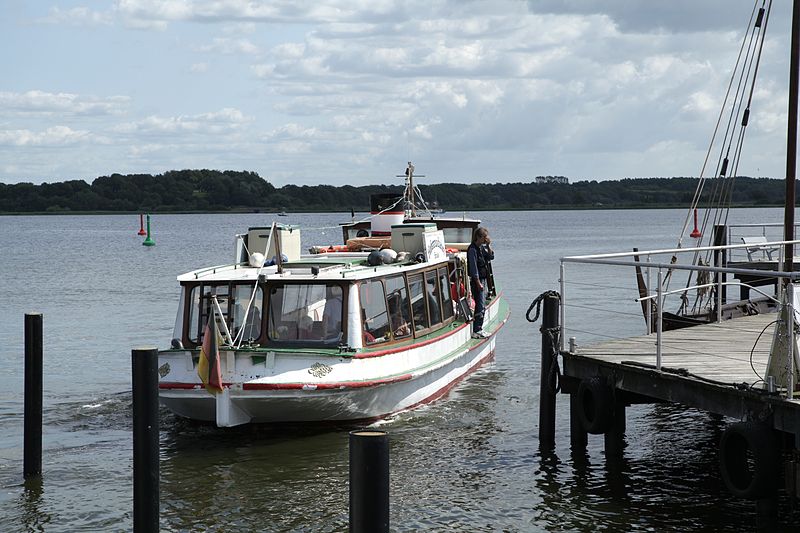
(758, 242)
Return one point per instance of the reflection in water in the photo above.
(33, 513)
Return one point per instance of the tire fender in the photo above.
(596, 405)
(749, 459)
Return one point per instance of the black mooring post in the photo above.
(369, 481)
(721, 257)
(145, 440)
(547, 393)
(32, 441)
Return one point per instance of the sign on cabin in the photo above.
(433, 242)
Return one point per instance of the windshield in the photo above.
(306, 312)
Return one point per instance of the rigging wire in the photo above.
(717, 204)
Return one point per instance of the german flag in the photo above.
(208, 366)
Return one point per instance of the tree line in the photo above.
(213, 190)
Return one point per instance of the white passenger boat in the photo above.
(335, 335)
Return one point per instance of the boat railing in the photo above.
(596, 305)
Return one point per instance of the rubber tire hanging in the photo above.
(749, 459)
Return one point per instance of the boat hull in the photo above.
(307, 388)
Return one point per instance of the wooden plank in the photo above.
(717, 351)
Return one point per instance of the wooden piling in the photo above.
(145, 440)
(547, 392)
(578, 438)
(32, 440)
(614, 438)
(369, 481)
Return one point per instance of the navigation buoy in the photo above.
(148, 241)
(141, 225)
(695, 234)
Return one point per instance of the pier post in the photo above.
(145, 440)
(721, 260)
(578, 437)
(369, 481)
(615, 437)
(547, 393)
(32, 440)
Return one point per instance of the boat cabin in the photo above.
(343, 300)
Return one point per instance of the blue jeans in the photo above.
(480, 305)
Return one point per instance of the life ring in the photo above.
(749, 459)
(595, 405)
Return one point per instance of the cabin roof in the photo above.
(351, 266)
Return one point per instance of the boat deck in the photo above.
(707, 367)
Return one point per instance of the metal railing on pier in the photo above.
(599, 302)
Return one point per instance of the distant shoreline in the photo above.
(447, 214)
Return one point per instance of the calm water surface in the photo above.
(468, 462)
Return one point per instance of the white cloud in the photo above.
(199, 67)
(224, 45)
(224, 121)
(53, 136)
(77, 16)
(42, 102)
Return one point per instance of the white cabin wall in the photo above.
(354, 326)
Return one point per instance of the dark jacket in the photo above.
(478, 257)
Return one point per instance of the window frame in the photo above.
(189, 307)
(266, 340)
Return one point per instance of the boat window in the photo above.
(456, 235)
(432, 295)
(233, 300)
(419, 310)
(399, 307)
(201, 299)
(306, 312)
(373, 312)
(447, 298)
(252, 327)
(177, 330)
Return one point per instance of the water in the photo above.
(468, 462)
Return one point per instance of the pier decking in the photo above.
(709, 367)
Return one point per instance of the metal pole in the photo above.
(791, 137)
(649, 301)
(561, 310)
(145, 440)
(660, 298)
(32, 440)
(547, 396)
(369, 481)
(792, 338)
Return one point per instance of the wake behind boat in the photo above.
(349, 332)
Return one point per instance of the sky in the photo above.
(346, 92)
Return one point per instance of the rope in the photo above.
(537, 303)
(553, 379)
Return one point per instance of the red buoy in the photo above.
(695, 234)
(141, 225)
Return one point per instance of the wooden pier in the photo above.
(718, 368)
(710, 367)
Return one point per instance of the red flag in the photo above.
(208, 366)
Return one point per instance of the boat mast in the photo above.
(409, 194)
(791, 140)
